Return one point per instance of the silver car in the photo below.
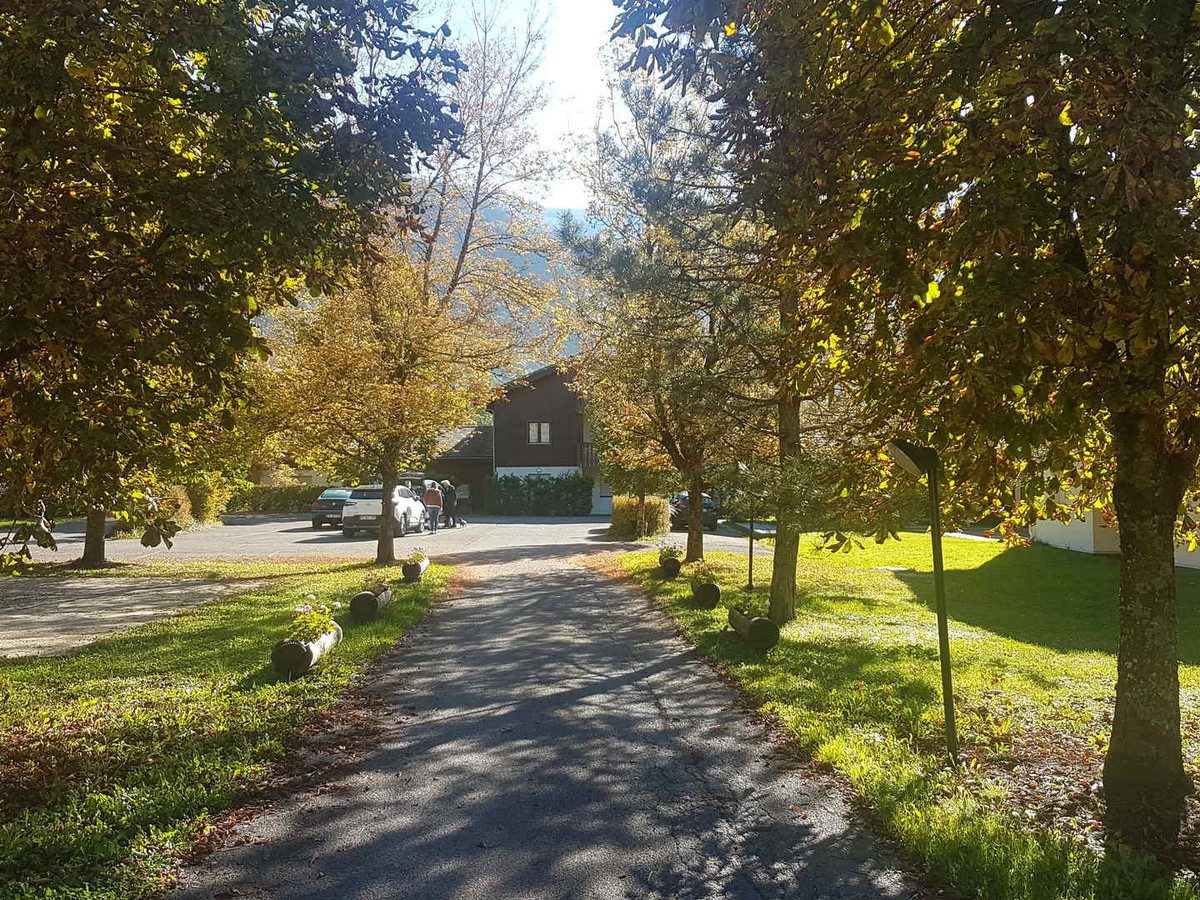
(364, 509)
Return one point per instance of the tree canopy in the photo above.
(994, 203)
(170, 170)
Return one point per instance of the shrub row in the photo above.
(629, 523)
(288, 498)
(564, 495)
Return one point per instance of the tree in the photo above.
(640, 471)
(480, 233)
(661, 357)
(373, 375)
(466, 293)
(169, 171)
(999, 200)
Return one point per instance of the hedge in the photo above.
(288, 498)
(208, 495)
(564, 495)
(625, 525)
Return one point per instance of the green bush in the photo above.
(208, 495)
(288, 498)
(565, 495)
(628, 525)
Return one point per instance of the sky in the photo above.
(577, 31)
(576, 34)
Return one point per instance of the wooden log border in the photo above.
(292, 658)
(414, 571)
(759, 632)
(706, 595)
(366, 605)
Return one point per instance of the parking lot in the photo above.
(283, 537)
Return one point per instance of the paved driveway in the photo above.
(293, 537)
(548, 737)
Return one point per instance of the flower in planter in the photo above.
(669, 551)
(416, 557)
(310, 625)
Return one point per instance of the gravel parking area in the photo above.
(279, 537)
(48, 616)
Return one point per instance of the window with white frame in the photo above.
(539, 432)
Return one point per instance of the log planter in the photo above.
(414, 570)
(670, 566)
(759, 632)
(292, 658)
(706, 594)
(366, 605)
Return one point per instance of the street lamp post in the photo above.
(918, 461)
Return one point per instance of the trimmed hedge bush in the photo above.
(564, 495)
(288, 498)
(627, 525)
(208, 495)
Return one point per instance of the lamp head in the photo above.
(912, 458)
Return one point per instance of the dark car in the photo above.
(681, 506)
(327, 509)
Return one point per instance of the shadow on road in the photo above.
(551, 739)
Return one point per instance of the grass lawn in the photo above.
(111, 758)
(1033, 637)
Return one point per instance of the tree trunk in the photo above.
(695, 538)
(1144, 781)
(385, 550)
(787, 525)
(93, 539)
(641, 515)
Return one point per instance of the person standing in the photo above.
(449, 503)
(433, 505)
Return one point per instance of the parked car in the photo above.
(680, 507)
(327, 509)
(364, 508)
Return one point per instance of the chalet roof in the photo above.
(535, 375)
(471, 442)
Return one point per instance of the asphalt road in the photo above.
(548, 737)
(279, 537)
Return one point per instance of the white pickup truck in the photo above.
(364, 509)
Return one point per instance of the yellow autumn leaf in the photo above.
(1065, 116)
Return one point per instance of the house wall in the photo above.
(547, 399)
(1188, 559)
(1078, 534)
(1092, 535)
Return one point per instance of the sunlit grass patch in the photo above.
(112, 757)
(855, 679)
